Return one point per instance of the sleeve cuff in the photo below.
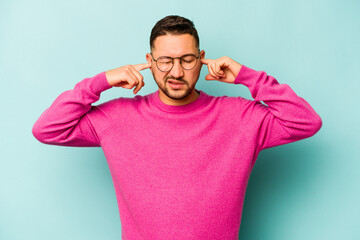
(100, 83)
(241, 75)
(245, 76)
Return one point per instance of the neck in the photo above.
(189, 99)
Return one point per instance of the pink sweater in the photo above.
(179, 172)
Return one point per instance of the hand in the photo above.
(223, 69)
(127, 76)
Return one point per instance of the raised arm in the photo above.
(66, 121)
(286, 118)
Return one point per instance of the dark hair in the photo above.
(173, 24)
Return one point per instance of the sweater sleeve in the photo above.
(66, 121)
(286, 118)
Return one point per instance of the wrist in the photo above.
(236, 67)
(108, 77)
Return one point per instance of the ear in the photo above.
(202, 55)
(149, 60)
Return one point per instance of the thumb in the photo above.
(209, 77)
(206, 61)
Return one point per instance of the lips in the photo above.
(174, 81)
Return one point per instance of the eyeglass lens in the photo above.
(188, 62)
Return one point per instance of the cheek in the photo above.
(196, 73)
(158, 75)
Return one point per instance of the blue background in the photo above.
(303, 190)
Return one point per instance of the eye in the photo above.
(164, 60)
(188, 58)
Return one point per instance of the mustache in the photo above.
(177, 79)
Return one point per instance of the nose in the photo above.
(177, 71)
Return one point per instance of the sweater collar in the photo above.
(178, 109)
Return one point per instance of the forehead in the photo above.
(174, 45)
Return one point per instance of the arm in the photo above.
(287, 118)
(67, 121)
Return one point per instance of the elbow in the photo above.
(48, 134)
(307, 128)
(38, 134)
(316, 124)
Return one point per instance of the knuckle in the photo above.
(128, 76)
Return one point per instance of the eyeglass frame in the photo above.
(172, 61)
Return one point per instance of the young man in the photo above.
(180, 159)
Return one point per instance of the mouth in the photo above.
(172, 81)
(175, 84)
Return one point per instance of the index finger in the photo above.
(206, 61)
(141, 66)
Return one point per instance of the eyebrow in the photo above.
(180, 56)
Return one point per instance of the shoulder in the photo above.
(237, 105)
(121, 101)
(228, 100)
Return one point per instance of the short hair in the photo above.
(173, 24)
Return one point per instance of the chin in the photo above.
(177, 94)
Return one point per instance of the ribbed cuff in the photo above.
(243, 74)
(100, 83)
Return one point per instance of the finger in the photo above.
(209, 77)
(219, 72)
(216, 68)
(131, 79)
(136, 73)
(140, 78)
(139, 86)
(211, 71)
(141, 66)
(136, 80)
(206, 61)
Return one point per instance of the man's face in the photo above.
(175, 46)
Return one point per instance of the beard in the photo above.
(175, 94)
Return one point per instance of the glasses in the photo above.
(187, 62)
